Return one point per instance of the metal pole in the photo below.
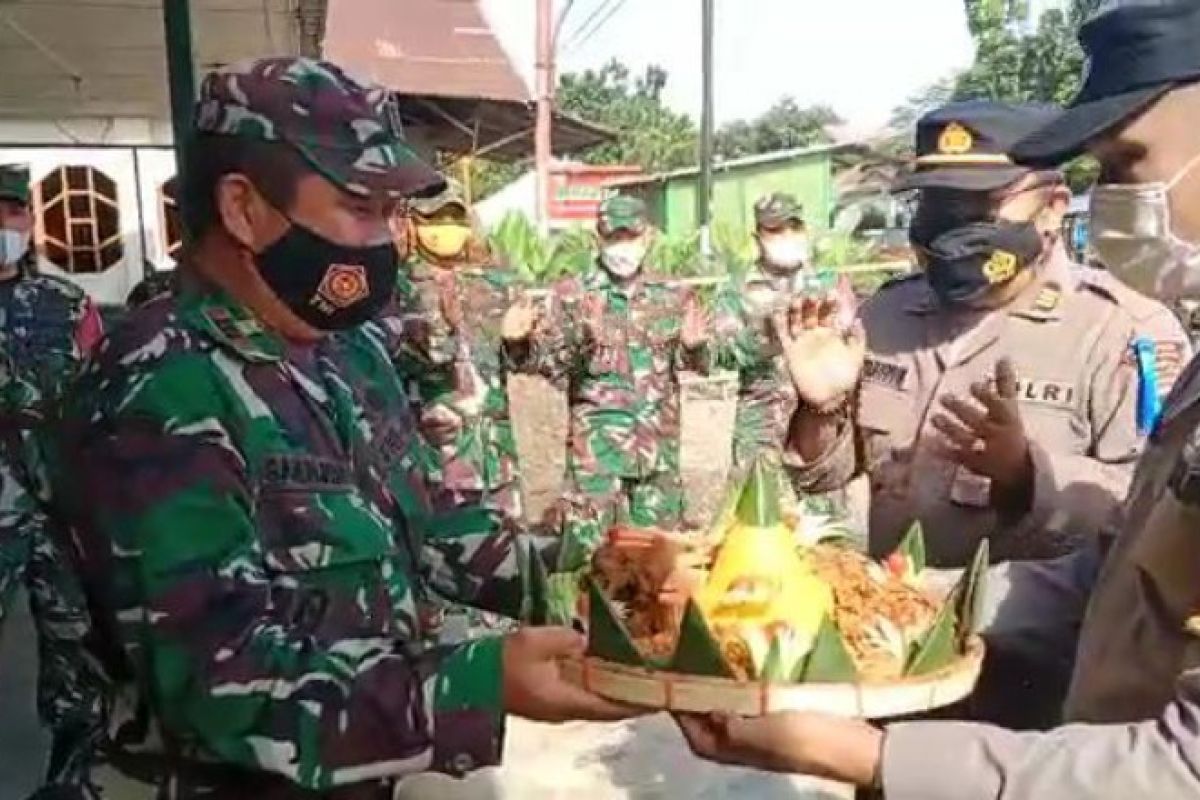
(181, 76)
(705, 187)
(545, 98)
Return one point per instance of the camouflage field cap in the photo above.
(776, 210)
(348, 132)
(430, 206)
(14, 182)
(622, 213)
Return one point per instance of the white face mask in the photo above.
(1129, 229)
(13, 246)
(786, 252)
(623, 259)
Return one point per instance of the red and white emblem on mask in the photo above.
(344, 285)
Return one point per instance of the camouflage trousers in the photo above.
(70, 690)
(760, 427)
(654, 501)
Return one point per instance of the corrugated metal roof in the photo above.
(422, 47)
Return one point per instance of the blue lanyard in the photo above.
(1149, 404)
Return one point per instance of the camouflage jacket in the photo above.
(620, 373)
(47, 326)
(252, 532)
(70, 688)
(745, 344)
(456, 377)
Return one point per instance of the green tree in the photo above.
(903, 120)
(784, 125)
(648, 133)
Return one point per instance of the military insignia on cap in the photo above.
(1000, 267)
(344, 285)
(955, 140)
(1047, 299)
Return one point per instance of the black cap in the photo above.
(1137, 51)
(965, 145)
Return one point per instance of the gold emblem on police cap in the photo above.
(1000, 267)
(955, 140)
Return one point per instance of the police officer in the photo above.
(1135, 695)
(615, 341)
(996, 395)
(236, 466)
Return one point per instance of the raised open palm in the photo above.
(824, 352)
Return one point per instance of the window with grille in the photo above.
(79, 219)
(172, 223)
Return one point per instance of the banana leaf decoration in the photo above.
(534, 604)
(970, 599)
(562, 598)
(698, 652)
(936, 648)
(913, 548)
(829, 661)
(538, 597)
(608, 638)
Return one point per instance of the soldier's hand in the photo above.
(533, 684)
(824, 356)
(696, 324)
(520, 319)
(985, 434)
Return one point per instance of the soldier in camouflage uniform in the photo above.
(47, 325)
(745, 342)
(157, 282)
(615, 341)
(450, 299)
(251, 527)
(70, 687)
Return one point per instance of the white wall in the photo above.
(142, 229)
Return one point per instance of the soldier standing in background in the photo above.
(450, 299)
(47, 327)
(615, 341)
(70, 686)
(744, 341)
(47, 324)
(235, 465)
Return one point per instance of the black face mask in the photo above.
(966, 259)
(328, 285)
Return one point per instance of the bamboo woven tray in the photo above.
(670, 691)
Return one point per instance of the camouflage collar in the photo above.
(229, 324)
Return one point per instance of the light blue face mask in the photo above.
(13, 246)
